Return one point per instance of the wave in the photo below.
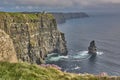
(100, 53)
(81, 55)
(55, 57)
(77, 67)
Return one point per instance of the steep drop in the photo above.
(34, 35)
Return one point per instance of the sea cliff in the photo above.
(62, 17)
(33, 35)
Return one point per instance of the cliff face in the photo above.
(62, 17)
(34, 35)
(7, 51)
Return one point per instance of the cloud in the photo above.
(65, 3)
(31, 4)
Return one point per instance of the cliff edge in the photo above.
(34, 35)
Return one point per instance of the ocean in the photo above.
(105, 30)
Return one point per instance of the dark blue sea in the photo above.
(105, 30)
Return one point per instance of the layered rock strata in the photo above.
(34, 35)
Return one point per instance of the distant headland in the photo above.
(62, 17)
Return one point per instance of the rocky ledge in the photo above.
(34, 35)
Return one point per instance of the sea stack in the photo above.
(92, 49)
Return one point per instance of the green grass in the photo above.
(21, 17)
(25, 71)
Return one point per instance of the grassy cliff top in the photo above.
(25, 71)
(21, 17)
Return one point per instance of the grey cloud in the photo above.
(31, 4)
(66, 3)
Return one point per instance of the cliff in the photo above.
(62, 17)
(24, 71)
(7, 51)
(34, 35)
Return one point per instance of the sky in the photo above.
(59, 5)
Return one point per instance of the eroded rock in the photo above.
(7, 51)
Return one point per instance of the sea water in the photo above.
(105, 30)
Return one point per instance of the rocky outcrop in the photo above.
(62, 17)
(7, 51)
(34, 35)
(92, 49)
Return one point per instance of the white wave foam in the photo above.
(81, 55)
(77, 67)
(100, 53)
(55, 57)
(52, 54)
